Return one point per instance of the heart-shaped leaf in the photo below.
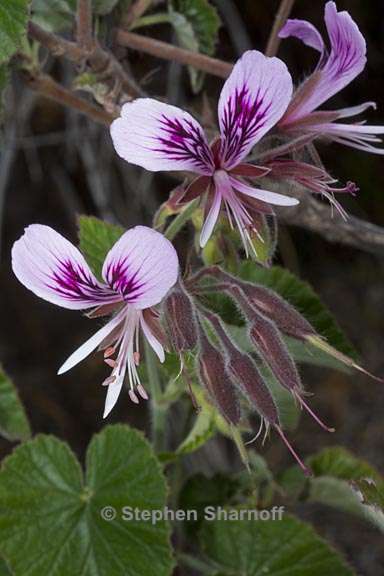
(69, 524)
(273, 547)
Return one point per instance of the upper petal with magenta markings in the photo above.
(142, 266)
(158, 136)
(52, 268)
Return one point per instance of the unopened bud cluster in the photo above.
(230, 376)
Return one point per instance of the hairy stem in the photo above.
(181, 219)
(281, 18)
(47, 87)
(84, 24)
(169, 52)
(136, 10)
(100, 61)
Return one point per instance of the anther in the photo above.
(141, 390)
(109, 352)
(108, 380)
(133, 396)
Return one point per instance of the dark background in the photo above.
(56, 165)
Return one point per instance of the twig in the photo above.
(47, 87)
(317, 217)
(55, 44)
(170, 52)
(281, 18)
(84, 25)
(101, 61)
(135, 11)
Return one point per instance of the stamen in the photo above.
(310, 411)
(141, 390)
(108, 380)
(136, 358)
(307, 471)
(133, 396)
(112, 363)
(109, 351)
(265, 433)
(257, 435)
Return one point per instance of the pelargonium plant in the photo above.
(191, 311)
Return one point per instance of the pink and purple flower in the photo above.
(137, 273)
(337, 67)
(158, 136)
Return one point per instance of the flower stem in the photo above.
(173, 53)
(181, 219)
(281, 18)
(159, 412)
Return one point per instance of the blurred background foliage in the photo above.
(55, 165)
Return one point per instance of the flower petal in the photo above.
(211, 219)
(158, 136)
(264, 195)
(113, 393)
(355, 110)
(152, 340)
(252, 100)
(304, 31)
(142, 266)
(347, 58)
(52, 268)
(359, 136)
(91, 344)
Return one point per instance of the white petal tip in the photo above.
(62, 369)
(107, 411)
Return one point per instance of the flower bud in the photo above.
(270, 304)
(180, 319)
(266, 337)
(283, 314)
(245, 372)
(267, 340)
(215, 378)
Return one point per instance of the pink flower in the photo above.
(138, 271)
(336, 68)
(158, 136)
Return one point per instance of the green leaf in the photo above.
(372, 492)
(4, 80)
(274, 547)
(60, 15)
(54, 15)
(64, 522)
(4, 570)
(204, 20)
(338, 462)
(13, 24)
(340, 482)
(344, 496)
(14, 424)
(196, 24)
(202, 430)
(96, 239)
(301, 295)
